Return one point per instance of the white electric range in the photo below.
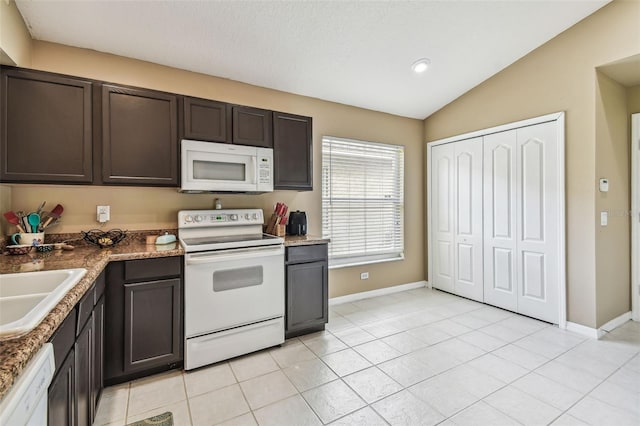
(233, 285)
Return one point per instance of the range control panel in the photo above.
(202, 218)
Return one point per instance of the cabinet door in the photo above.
(84, 355)
(45, 128)
(292, 152)
(206, 120)
(61, 394)
(152, 326)
(252, 126)
(139, 137)
(98, 356)
(307, 295)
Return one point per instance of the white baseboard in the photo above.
(598, 333)
(373, 293)
(582, 329)
(614, 323)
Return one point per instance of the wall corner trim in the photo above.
(583, 330)
(374, 293)
(613, 324)
(600, 332)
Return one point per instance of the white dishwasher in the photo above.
(26, 402)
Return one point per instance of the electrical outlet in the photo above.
(364, 276)
(103, 214)
(604, 218)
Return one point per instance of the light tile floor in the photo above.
(420, 357)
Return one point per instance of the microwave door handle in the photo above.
(199, 259)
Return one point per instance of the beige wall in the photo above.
(558, 76)
(5, 204)
(633, 99)
(15, 41)
(151, 208)
(613, 245)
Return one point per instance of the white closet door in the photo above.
(467, 195)
(537, 224)
(442, 187)
(500, 284)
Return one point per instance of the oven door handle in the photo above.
(248, 253)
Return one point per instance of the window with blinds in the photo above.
(362, 201)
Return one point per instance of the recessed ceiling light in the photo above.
(421, 65)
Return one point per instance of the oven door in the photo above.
(231, 288)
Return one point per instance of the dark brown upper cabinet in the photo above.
(292, 151)
(139, 136)
(252, 126)
(206, 120)
(45, 127)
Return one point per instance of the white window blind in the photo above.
(362, 201)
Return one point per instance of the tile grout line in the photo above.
(186, 394)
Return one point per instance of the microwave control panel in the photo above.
(264, 170)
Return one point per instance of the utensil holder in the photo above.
(27, 238)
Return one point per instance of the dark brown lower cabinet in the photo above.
(61, 396)
(152, 320)
(307, 289)
(98, 355)
(143, 318)
(73, 394)
(84, 355)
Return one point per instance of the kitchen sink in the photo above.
(26, 298)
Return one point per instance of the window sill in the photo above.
(364, 262)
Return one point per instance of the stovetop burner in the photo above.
(208, 230)
(227, 239)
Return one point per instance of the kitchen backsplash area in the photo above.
(141, 208)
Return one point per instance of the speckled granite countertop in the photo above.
(303, 240)
(16, 353)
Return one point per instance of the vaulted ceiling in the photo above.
(353, 52)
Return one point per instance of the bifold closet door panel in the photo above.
(537, 225)
(442, 195)
(500, 238)
(467, 223)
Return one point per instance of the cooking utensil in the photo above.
(56, 222)
(13, 219)
(40, 208)
(34, 221)
(23, 219)
(55, 214)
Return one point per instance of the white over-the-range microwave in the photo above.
(220, 167)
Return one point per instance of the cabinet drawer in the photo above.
(301, 254)
(63, 338)
(145, 269)
(85, 307)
